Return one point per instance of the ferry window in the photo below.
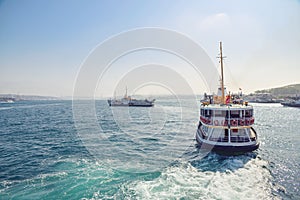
(207, 113)
(220, 113)
(248, 113)
(243, 113)
(234, 113)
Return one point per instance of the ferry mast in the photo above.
(222, 74)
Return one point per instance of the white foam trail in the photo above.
(252, 181)
(5, 108)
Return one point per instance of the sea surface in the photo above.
(53, 150)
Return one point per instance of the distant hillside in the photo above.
(17, 97)
(289, 90)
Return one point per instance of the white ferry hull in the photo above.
(225, 147)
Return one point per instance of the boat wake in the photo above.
(233, 180)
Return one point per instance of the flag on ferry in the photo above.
(227, 101)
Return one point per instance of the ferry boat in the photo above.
(291, 103)
(128, 101)
(7, 100)
(226, 122)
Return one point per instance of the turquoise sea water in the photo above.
(140, 153)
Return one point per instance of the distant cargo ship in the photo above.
(128, 101)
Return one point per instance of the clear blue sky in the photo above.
(43, 43)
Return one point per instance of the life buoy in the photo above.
(247, 122)
(225, 123)
(233, 122)
(252, 121)
(241, 122)
(216, 122)
(202, 119)
(208, 121)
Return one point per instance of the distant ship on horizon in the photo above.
(128, 101)
(291, 103)
(7, 100)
